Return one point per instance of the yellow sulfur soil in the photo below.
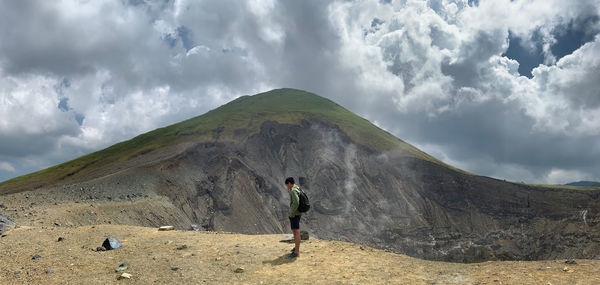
(214, 258)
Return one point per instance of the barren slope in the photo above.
(224, 171)
(212, 258)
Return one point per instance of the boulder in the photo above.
(288, 240)
(166, 228)
(122, 267)
(5, 223)
(196, 228)
(303, 235)
(111, 243)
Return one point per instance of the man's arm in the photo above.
(295, 203)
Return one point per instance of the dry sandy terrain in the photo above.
(212, 258)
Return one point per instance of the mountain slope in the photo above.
(234, 121)
(584, 184)
(224, 171)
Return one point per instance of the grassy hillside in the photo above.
(571, 187)
(584, 184)
(243, 115)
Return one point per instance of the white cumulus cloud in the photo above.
(79, 76)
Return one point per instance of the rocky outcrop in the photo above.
(390, 200)
(5, 223)
(365, 186)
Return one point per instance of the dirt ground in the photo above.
(188, 257)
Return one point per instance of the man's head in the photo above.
(289, 182)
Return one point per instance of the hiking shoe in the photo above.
(293, 249)
(293, 255)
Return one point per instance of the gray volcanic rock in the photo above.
(111, 243)
(5, 223)
(389, 200)
(393, 197)
(124, 266)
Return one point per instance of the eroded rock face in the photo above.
(390, 200)
(5, 223)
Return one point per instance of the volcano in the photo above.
(224, 171)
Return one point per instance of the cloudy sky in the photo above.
(508, 89)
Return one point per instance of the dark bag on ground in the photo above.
(304, 205)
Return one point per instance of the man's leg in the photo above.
(297, 240)
(295, 225)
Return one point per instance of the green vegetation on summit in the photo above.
(236, 120)
(222, 172)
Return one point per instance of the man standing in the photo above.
(294, 214)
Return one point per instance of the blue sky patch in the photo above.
(186, 37)
(63, 104)
(79, 118)
(170, 40)
(572, 36)
(181, 33)
(568, 37)
(527, 57)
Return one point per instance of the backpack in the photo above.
(304, 205)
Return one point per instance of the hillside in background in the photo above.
(584, 184)
(224, 171)
(235, 121)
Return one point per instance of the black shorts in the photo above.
(295, 222)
